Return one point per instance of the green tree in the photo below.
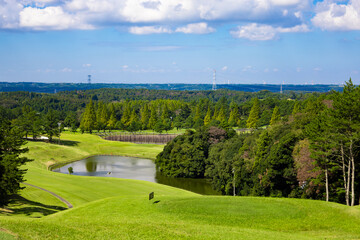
(11, 172)
(144, 114)
(88, 120)
(153, 117)
(275, 117)
(207, 118)
(254, 114)
(50, 124)
(71, 121)
(234, 118)
(112, 119)
(296, 108)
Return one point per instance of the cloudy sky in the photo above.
(180, 41)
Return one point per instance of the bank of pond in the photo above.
(132, 168)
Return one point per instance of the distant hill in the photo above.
(56, 87)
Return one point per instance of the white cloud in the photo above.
(86, 65)
(225, 68)
(196, 28)
(257, 32)
(333, 16)
(50, 18)
(85, 14)
(66, 70)
(9, 11)
(149, 30)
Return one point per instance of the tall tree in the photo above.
(50, 124)
(234, 118)
(11, 172)
(254, 114)
(88, 120)
(144, 114)
(275, 117)
(207, 118)
(153, 117)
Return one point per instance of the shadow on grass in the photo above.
(21, 206)
(55, 141)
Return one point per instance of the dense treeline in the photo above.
(313, 153)
(109, 109)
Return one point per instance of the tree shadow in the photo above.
(21, 206)
(56, 141)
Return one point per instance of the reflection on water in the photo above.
(133, 168)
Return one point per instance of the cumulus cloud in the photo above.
(50, 18)
(261, 32)
(149, 30)
(333, 16)
(85, 14)
(196, 28)
(9, 11)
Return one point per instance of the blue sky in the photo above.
(180, 41)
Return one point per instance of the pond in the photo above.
(133, 168)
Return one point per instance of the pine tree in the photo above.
(112, 119)
(207, 118)
(88, 120)
(11, 175)
(275, 117)
(221, 117)
(234, 118)
(144, 116)
(165, 114)
(50, 124)
(125, 119)
(254, 114)
(153, 117)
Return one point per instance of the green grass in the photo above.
(196, 217)
(6, 236)
(111, 208)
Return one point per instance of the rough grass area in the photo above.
(195, 218)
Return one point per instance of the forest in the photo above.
(302, 145)
(311, 153)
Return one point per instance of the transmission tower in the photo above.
(214, 81)
(89, 79)
(281, 91)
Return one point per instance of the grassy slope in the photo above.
(108, 208)
(195, 218)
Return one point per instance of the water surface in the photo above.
(133, 168)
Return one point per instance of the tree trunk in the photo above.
(344, 175)
(352, 174)
(327, 184)
(348, 182)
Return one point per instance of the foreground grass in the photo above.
(195, 218)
